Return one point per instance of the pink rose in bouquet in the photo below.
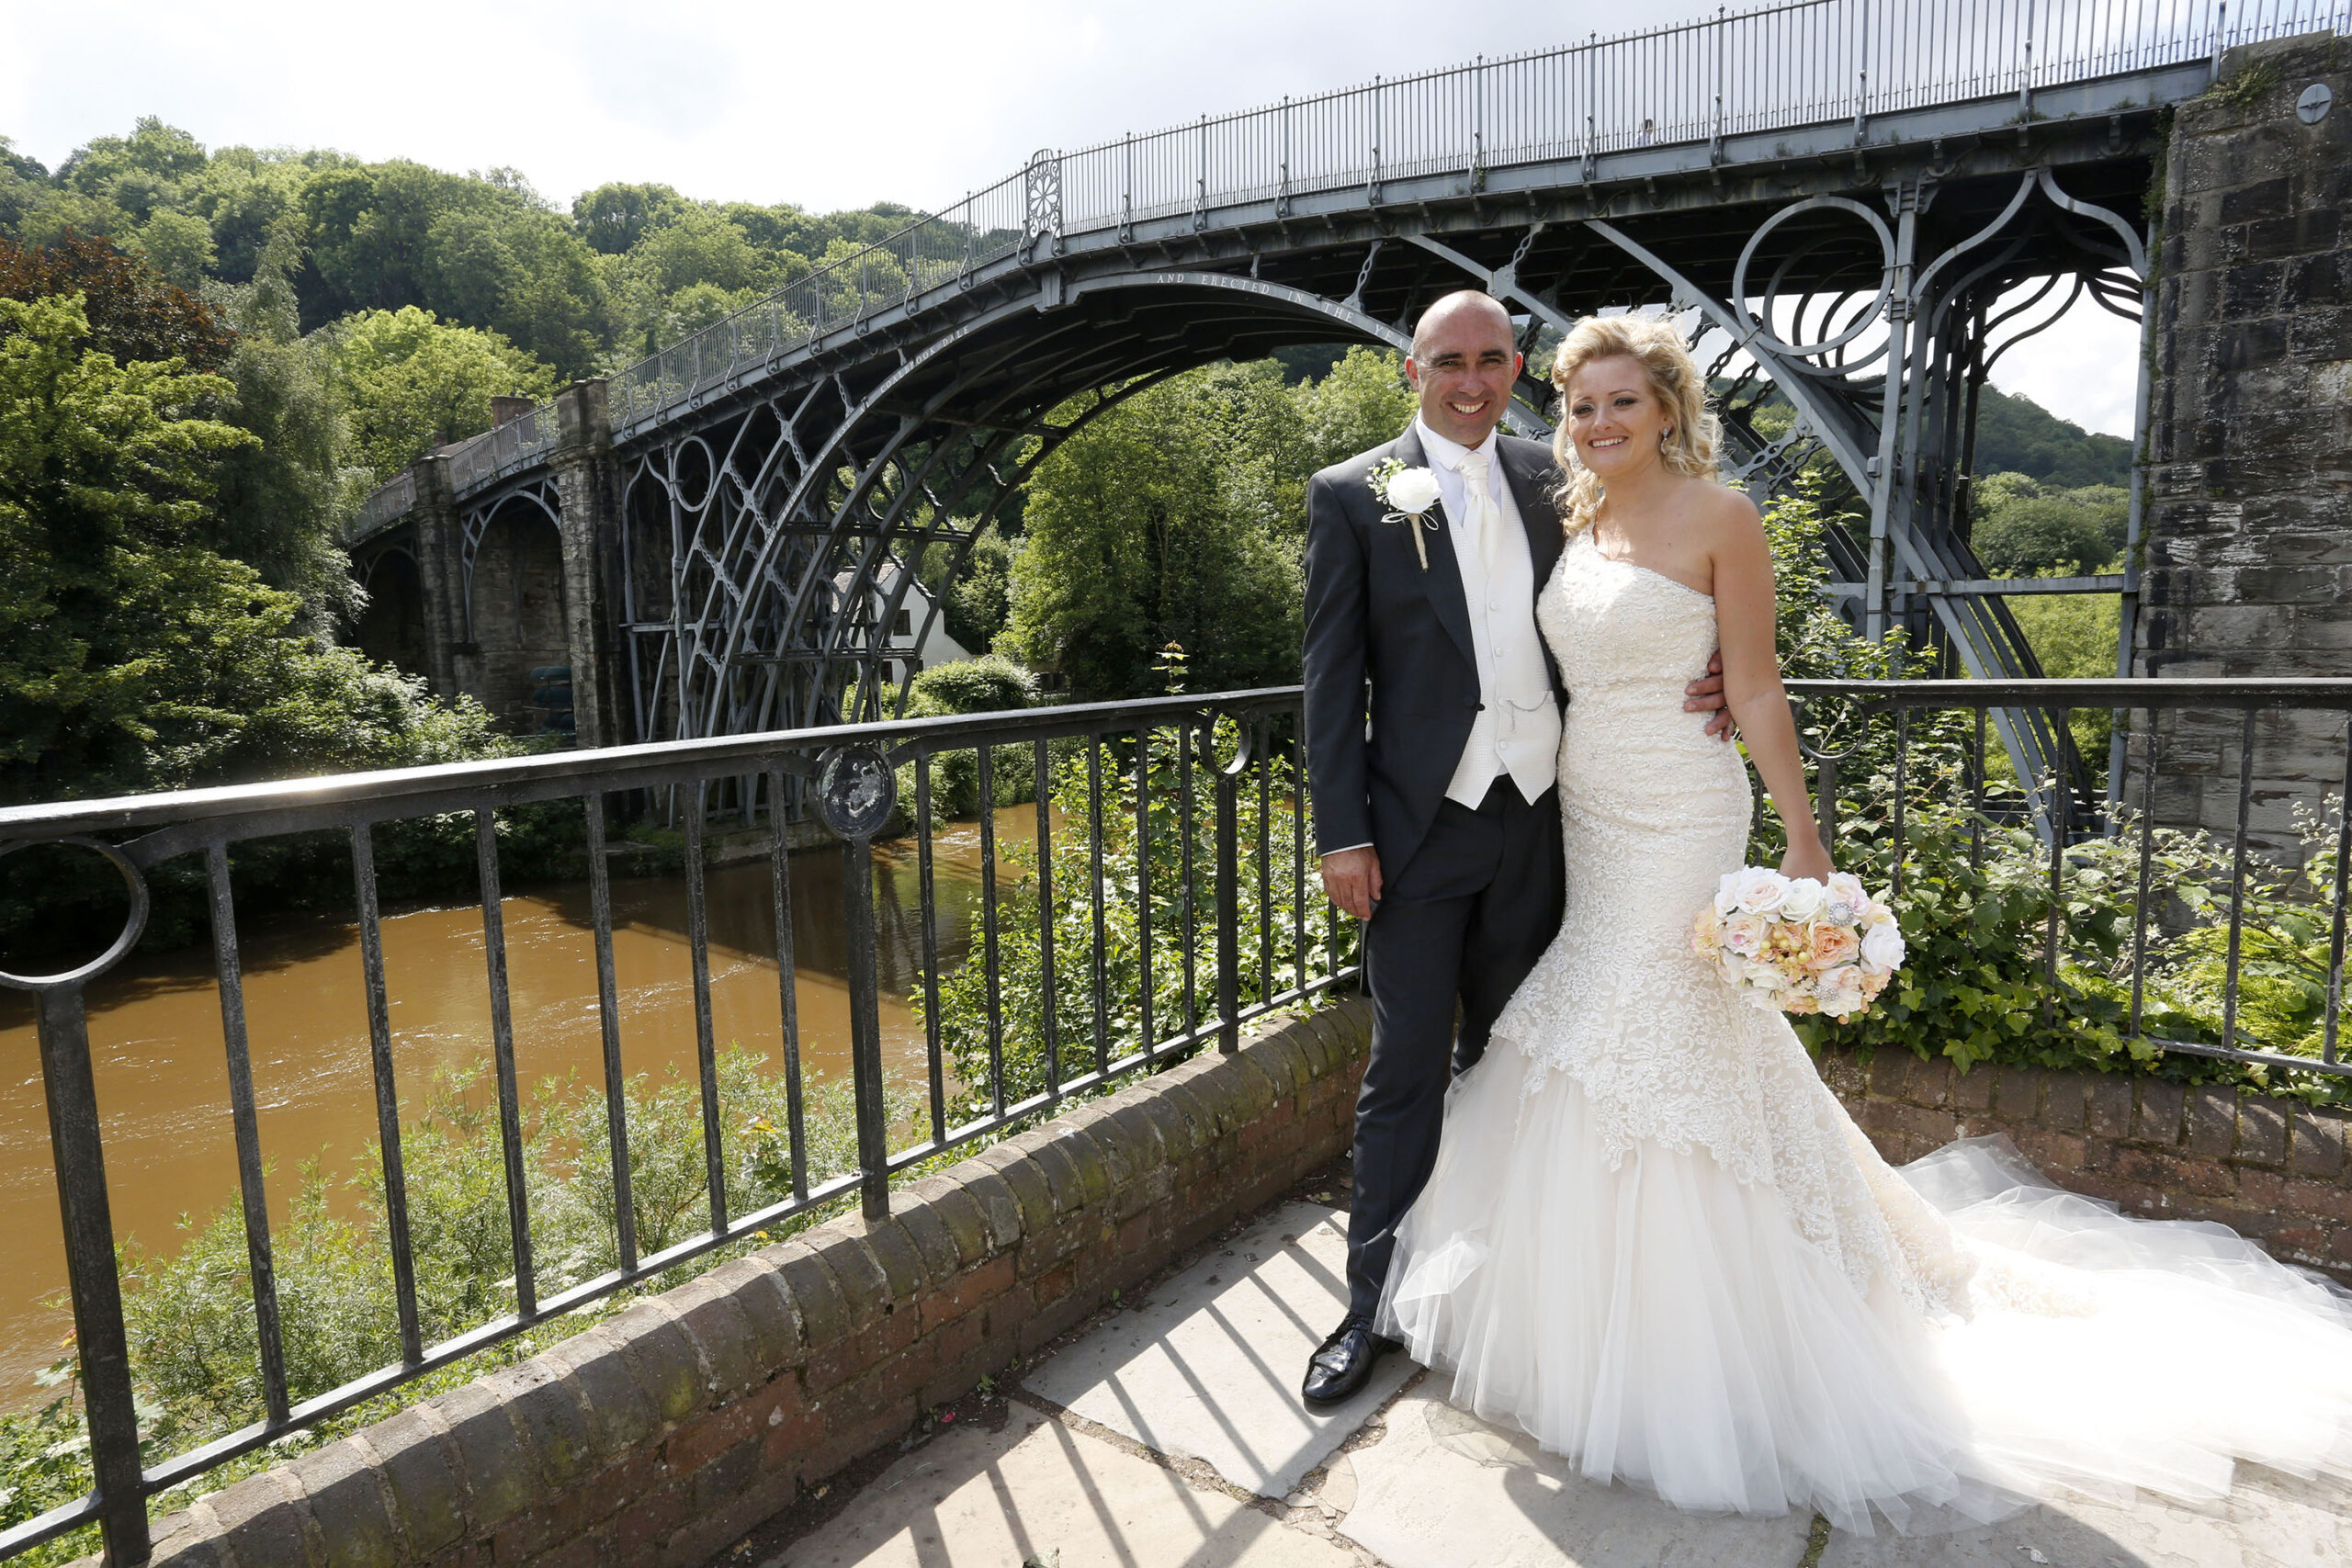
(1798, 945)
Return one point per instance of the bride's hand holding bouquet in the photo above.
(1801, 945)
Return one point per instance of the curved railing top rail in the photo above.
(395, 792)
(1809, 61)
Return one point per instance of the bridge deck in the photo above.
(1168, 1435)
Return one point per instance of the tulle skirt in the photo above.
(1660, 1322)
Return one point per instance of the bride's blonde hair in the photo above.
(1689, 447)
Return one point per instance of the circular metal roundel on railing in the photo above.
(133, 924)
(856, 791)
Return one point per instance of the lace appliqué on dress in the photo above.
(1655, 812)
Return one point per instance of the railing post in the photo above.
(856, 792)
(1229, 881)
(99, 1342)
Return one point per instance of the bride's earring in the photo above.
(1664, 436)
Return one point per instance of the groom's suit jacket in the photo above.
(1390, 642)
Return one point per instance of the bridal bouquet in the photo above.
(1799, 945)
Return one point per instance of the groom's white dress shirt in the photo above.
(1517, 731)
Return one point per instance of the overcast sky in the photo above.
(826, 106)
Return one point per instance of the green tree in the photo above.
(132, 656)
(2017, 435)
(1173, 517)
(2026, 528)
(412, 383)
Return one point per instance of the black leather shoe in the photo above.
(1342, 1365)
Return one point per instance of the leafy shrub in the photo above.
(1182, 915)
(195, 1351)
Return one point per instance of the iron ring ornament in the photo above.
(856, 791)
(133, 924)
(1763, 334)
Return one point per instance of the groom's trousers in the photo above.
(1458, 926)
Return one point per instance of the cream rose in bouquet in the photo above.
(1799, 945)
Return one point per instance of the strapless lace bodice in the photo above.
(1655, 812)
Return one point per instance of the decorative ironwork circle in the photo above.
(1765, 335)
(856, 791)
(133, 924)
(2312, 107)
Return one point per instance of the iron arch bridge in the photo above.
(1842, 199)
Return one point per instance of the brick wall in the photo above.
(2247, 565)
(2264, 1167)
(665, 1433)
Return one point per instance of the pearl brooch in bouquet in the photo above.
(1408, 493)
(1798, 945)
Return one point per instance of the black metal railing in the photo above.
(2181, 850)
(1162, 899)
(1162, 902)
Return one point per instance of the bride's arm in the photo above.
(1747, 623)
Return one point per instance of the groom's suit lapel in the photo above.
(1541, 519)
(1443, 581)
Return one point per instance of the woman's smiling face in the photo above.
(1615, 416)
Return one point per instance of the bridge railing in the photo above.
(1810, 63)
(1148, 896)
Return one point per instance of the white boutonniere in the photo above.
(1408, 493)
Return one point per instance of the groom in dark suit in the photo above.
(1437, 820)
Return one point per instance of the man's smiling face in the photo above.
(1463, 365)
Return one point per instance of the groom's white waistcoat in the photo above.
(1518, 727)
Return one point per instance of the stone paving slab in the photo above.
(1039, 1492)
(2270, 1521)
(1444, 1490)
(1209, 1368)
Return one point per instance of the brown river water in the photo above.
(156, 1044)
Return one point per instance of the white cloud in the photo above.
(824, 104)
(2084, 368)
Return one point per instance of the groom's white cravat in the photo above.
(1517, 731)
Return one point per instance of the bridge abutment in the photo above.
(589, 524)
(2248, 568)
(440, 547)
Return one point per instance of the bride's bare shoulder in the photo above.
(1726, 516)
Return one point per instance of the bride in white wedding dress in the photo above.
(1656, 1242)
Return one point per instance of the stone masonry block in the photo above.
(1973, 1089)
(2262, 1132)
(2017, 1094)
(190, 1538)
(2212, 1120)
(1110, 1139)
(958, 1211)
(2160, 1110)
(722, 1335)
(777, 1336)
(998, 1205)
(1051, 1157)
(664, 1358)
(1028, 1183)
(1095, 1182)
(816, 1294)
(545, 1410)
(1172, 1125)
(2110, 1114)
(347, 1501)
(260, 1520)
(621, 1415)
(895, 1250)
(2316, 1142)
(927, 1229)
(2065, 1101)
(427, 1498)
(500, 1473)
(1284, 1059)
(866, 1288)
